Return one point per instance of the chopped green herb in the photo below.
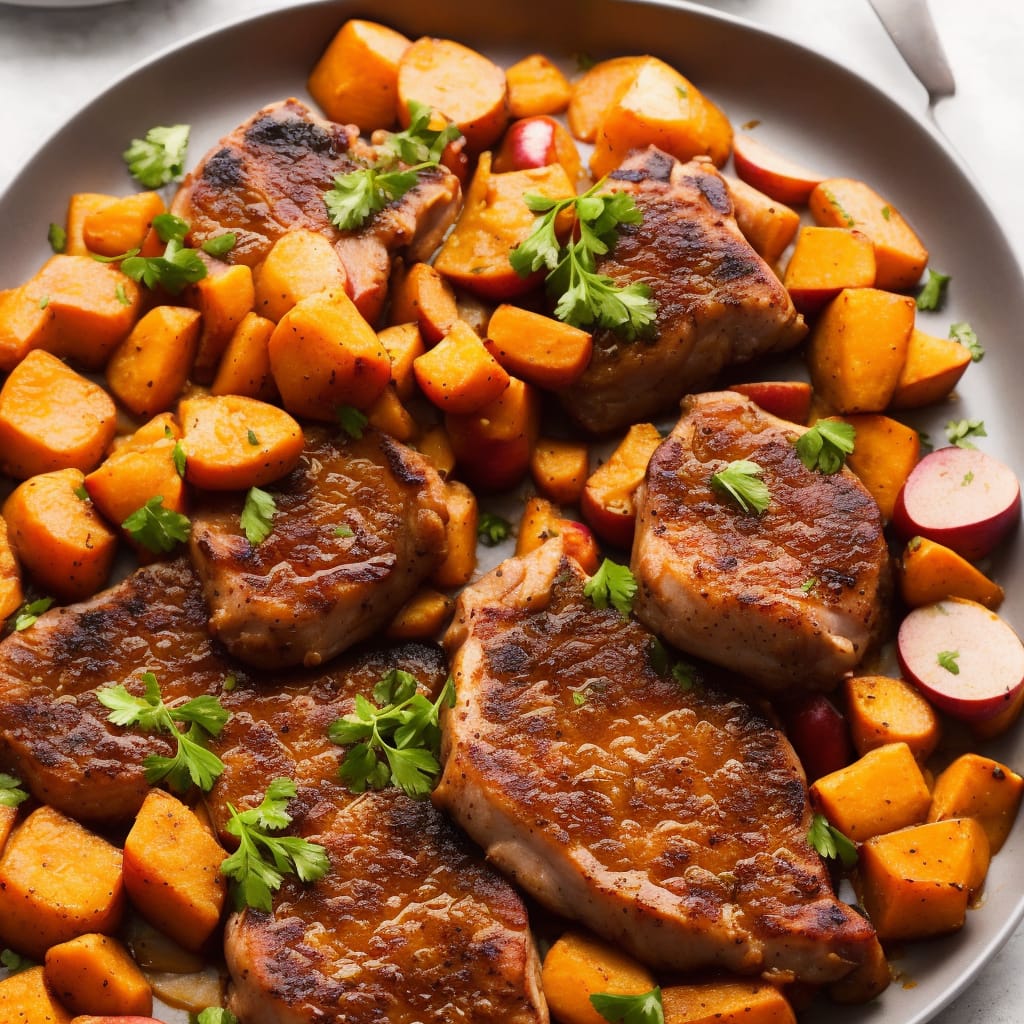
(579, 698)
(213, 1015)
(492, 529)
(159, 158)
(825, 446)
(809, 584)
(156, 528)
(686, 675)
(968, 479)
(57, 237)
(914, 543)
(584, 61)
(419, 143)
(925, 441)
(830, 842)
(121, 295)
(741, 481)
(833, 200)
(81, 493)
(180, 458)
(358, 195)
(658, 656)
(343, 531)
(28, 613)
(948, 661)
(220, 245)
(683, 94)
(614, 585)
(253, 439)
(11, 793)
(886, 213)
(351, 420)
(230, 682)
(959, 432)
(44, 302)
(640, 1009)
(14, 962)
(963, 333)
(257, 519)
(930, 297)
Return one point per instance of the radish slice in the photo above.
(965, 659)
(961, 498)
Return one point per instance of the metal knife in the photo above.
(910, 26)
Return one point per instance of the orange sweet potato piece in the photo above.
(94, 973)
(59, 538)
(234, 443)
(900, 258)
(423, 296)
(916, 883)
(824, 262)
(868, 979)
(989, 728)
(457, 82)
(26, 999)
(578, 966)
(80, 206)
(596, 91)
(435, 444)
(880, 710)
(11, 594)
(356, 79)
(978, 787)
(52, 418)
(113, 228)
(25, 324)
(726, 1002)
(884, 454)
(223, 297)
(460, 537)
(768, 225)
(541, 350)
(536, 525)
(931, 371)
(459, 374)
(389, 416)
(148, 370)
(536, 86)
(422, 617)
(882, 791)
(492, 446)
(858, 348)
(57, 880)
(172, 870)
(299, 264)
(929, 572)
(403, 344)
(245, 366)
(324, 354)
(559, 469)
(494, 220)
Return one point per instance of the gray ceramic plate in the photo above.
(813, 109)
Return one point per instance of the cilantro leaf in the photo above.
(645, 1008)
(156, 528)
(351, 420)
(170, 228)
(57, 237)
(256, 877)
(686, 675)
(159, 158)
(740, 481)
(257, 519)
(14, 962)
(959, 431)
(177, 268)
(930, 297)
(830, 842)
(492, 529)
(419, 143)
(220, 245)
(343, 532)
(180, 458)
(963, 333)
(614, 585)
(948, 660)
(11, 793)
(27, 614)
(358, 195)
(825, 446)
(213, 1015)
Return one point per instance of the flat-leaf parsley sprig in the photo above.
(614, 585)
(257, 868)
(825, 446)
(402, 727)
(741, 481)
(192, 762)
(159, 158)
(585, 297)
(645, 1008)
(830, 843)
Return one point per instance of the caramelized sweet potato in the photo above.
(436, 445)
(403, 344)
(930, 572)
(223, 297)
(931, 371)
(559, 469)
(881, 710)
(422, 296)
(460, 537)
(768, 225)
(390, 416)
(536, 86)
(299, 264)
(726, 1002)
(459, 375)
(885, 452)
(25, 324)
(824, 262)
(245, 366)
(11, 594)
(422, 617)
(594, 94)
(113, 228)
(26, 999)
(540, 349)
(80, 206)
(95, 974)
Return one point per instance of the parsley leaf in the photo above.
(11, 793)
(809, 584)
(180, 458)
(159, 158)
(220, 245)
(959, 431)
(492, 529)
(257, 519)
(645, 1008)
(614, 585)
(830, 842)
(825, 446)
(948, 661)
(740, 481)
(213, 1015)
(351, 420)
(419, 143)
(252, 438)
(57, 237)
(963, 333)
(174, 270)
(400, 724)
(156, 528)
(686, 675)
(343, 531)
(261, 861)
(934, 291)
(358, 195)
(14, 962)
(191, 761)
(586, 297)
(27, 614)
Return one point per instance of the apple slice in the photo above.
(773, 174)
(819, 735)
(538, 142)
(965, 659)
(787, 399)
(959, 497)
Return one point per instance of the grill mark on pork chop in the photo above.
(673, 823)
(729, 586)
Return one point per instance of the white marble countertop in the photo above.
(53, 61)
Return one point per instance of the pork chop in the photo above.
(719, 303)
(672, 821)
(269, 176)
(359, 525)
(791, 598)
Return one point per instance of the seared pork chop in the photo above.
(269, 177)
(718, 302)
(305, 593)
(672, 821)
(790, 598)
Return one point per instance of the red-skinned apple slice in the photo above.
(819, 735)
(772, 173)
(965, 659)
(959, 497)
(538, 142)
(87, 1019)
(787, 399)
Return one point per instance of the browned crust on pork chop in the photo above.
(672, 822)
(791, 598)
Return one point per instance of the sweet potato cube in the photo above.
(989, 728)
(536, 86)
(932, 370)
(900, 258)
(882, 791)
(726, 1002)
(389, 416)
(113, 228)
(25, 324)
(578, 966)
(356, 79)
(436, 445)
(880, 710)
(8, 816)
(223, 297)
(11, 595)
(559, 469)
(404, 344)
(148, 370)
(459, 375)
(245, 365)
(422, 296)
(422, 617)
(916, 883)
(460, 537)
(57, 880)
(172, 870)
(858, 348)
(595, 92)
(868, 979)
(324, 354)
(536, 525)
(978, 787)
(930, 572)
(80, 206)
(26, 999)
(540, 349)
(95, 974)
(299, 264)
(884, 454)
(824, 262)
(768, 225)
